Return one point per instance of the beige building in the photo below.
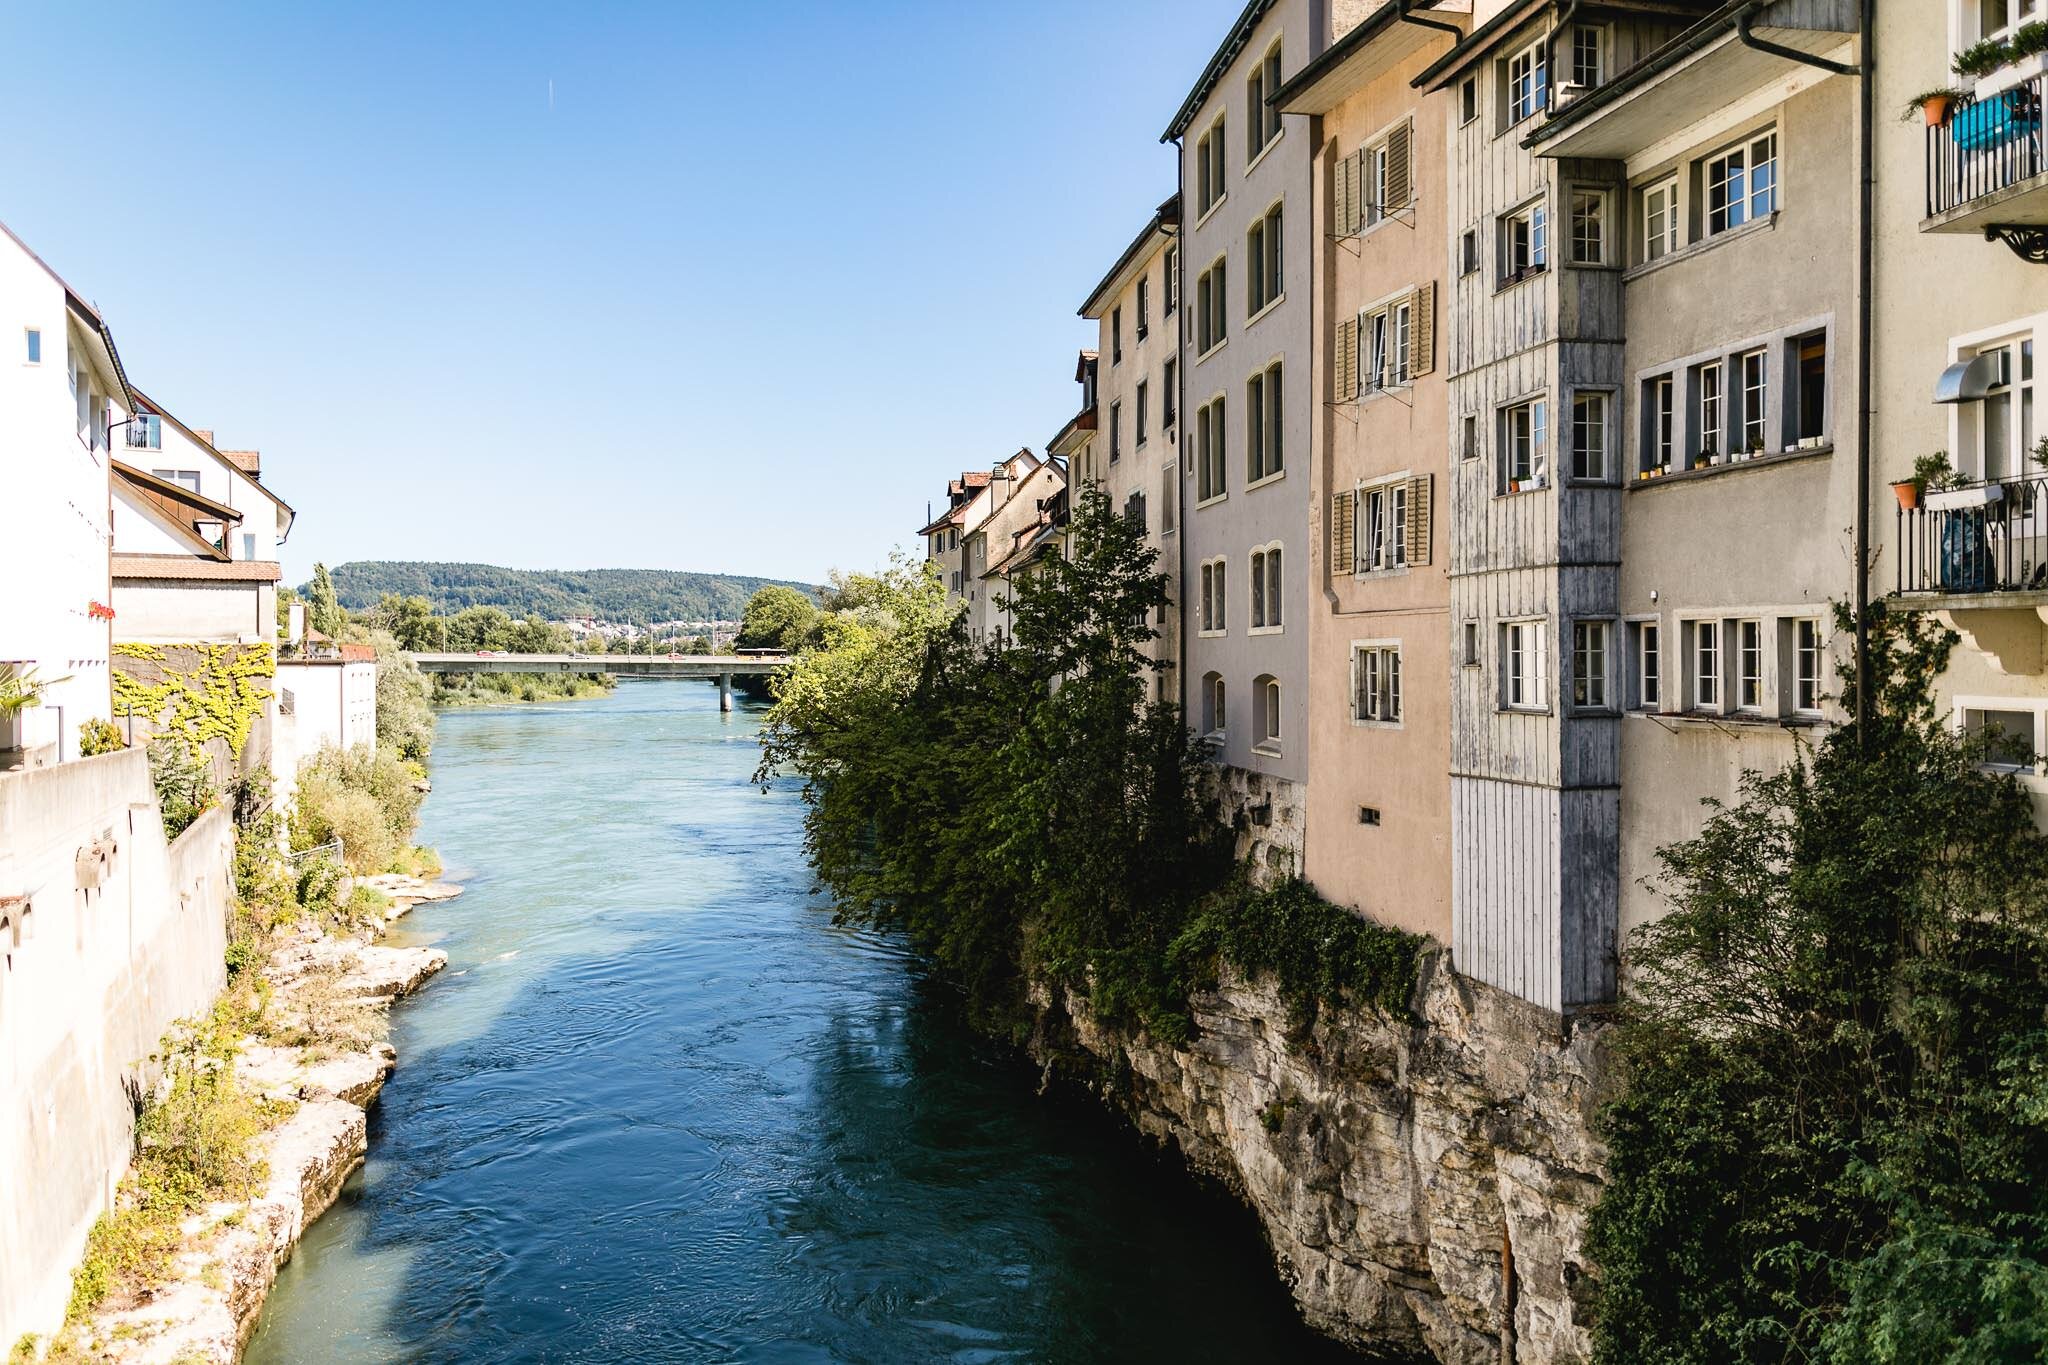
(1961, 233)
(1728, 450)
(978, 531)
(1378, 600)
(1131, 395)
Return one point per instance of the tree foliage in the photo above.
(1836, 1115)
(641, 595)
(777, 618)
(323, 608)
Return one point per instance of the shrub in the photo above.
(97, 737)
(184, 783)
(369, 799)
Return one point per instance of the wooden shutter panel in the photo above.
(1347, 359)
(1398, 177)
(1418, 520)
(1345, 211)
(1422, 330)
(1343, 552)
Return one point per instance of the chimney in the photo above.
(204, 433)
(250, 462)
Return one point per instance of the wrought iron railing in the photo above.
(1985, 146)
(1983, 538)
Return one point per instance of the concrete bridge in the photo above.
(723, 667)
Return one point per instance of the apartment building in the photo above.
(1377, 605)
(62, 394)
(1534, 548)
(1245, 254)
(977, 530)
(1727, 156)
(1131, 451)
(1960, 327)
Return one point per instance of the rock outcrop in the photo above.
(1424, 1186)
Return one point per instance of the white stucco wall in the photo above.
(120, 934)
(334, 703)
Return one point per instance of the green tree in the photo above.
(323, 609)
(777, 618)
(1836, 1114)
(285, 597)
(412, 623)
(405, 714)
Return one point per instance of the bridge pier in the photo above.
(725, 692)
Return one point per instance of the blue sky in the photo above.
(740, 300)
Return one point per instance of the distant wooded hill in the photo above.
(555, 594)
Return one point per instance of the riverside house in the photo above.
(1132, 454)
(1378, 601)
(62, 389)
(1718, 158)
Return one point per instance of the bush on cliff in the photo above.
(367, 798)
(1831, 1142)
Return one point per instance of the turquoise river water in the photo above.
(659, 1108)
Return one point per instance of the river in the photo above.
(659, 1108)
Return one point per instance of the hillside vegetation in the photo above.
(554, 594)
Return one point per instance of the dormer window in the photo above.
(146, 432)
(1589, 57)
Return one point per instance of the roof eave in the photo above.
(1227, 52)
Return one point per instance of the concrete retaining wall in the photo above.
(108, 934)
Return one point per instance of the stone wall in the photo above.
(1268, 817)
(107, 935)
(1424, 1187)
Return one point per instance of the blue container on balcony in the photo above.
(1988, 123)
(1965, 552)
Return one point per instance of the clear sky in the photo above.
(738, 296)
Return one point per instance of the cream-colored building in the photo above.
(977, 531)
(1378, 600)
(1130, 454)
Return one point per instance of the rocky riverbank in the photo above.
(319, 1078)
(1424, 1185)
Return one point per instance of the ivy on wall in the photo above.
(201, 692)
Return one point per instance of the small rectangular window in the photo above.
(248, 547)
(1168, 391)
(1589, 65)
(1523, 437)
(1753, 369)
(1468, 441)
(1376, 683)
(1468, 252)
(1468, 99)
(1660, 219)
(1589, 437)
(1713, 419)
(35, 347)
(1471, 644)
(1806, 668)
(1589, 663)
(1523, 666)
(2007, 736)
(1749, 665)
(1116, 335)
(1706, 665)
(1741, 184)
(1171, 278)
(1116, 431)
(1524, 244)
(1589, 227)
(1144, 396)
(1144, 309)
(1659, 422)
(1648, 654)
(1809, 365)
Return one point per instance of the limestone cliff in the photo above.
(1424, 1185)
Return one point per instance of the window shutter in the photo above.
(1343, 552)
(1422, 331)
(1418, 520)
(1398, 178)
(1345, 211)
(1347, 360)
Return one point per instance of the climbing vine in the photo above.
(219, 696)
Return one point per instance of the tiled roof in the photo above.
(185, 567)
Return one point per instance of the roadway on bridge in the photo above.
(624, 665)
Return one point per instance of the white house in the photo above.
(61, 390)
(327, 697)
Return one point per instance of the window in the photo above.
(1471, 644)
(1524, 243)
(1373, 186)
(1590, 643)
(1212, 703)
(248, 547)
(1266, 689)
(1263, 284)
(1808, 362)
(1659, 422)
(1144, 308)
(1468, 252)
(1998, 439)
(1706, 665)
(1214, 597)
(1589, 437)
(2000, 18)
(1116, 335)
(35, 346)
(146, 432)
(1263, 413)
(1807, 661)
(1374, 373)
(1523, 673)
(1713, 424)
(1167, 478)
(1209, 452)
(1528, 82)
(1376, 683)
(1589, 65)
(1134, 512)
(1754, 373)
(1468, 99)
(1660, 219)
(1589, 227)
(1266, 583)
(1262, 120)
(1468, 440)
(1749, 665)
(1384, 514)
(1116, 431)
(1144, 397)
(1210, 325)
(1741, 184)
(1172, 282)
(1388, 335)
(189, 478)
(1209, 168)
(1522, 439)
(1646, 649)
(2007, 736)
(1169, 388)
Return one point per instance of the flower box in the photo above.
(1960, 499)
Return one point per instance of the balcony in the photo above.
(1986, 172)
(1978, 555)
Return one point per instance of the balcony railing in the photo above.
(1987, 145)
(1996, 541)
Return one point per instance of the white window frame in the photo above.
(1376, 684)
(2023, 389)
(1753, 396)
(1525, 665)
(1646, 663)
(1752, 151)
(1663, 219)
(1525, 438)
(1524, 243)
(1593, 678)
(2029, 775)
(1268, 580)
(1665, 425)
(1707, 663)
(1750, 650)
(1809, 690)
(1381, 533)
(1599, 217)
(1603, 471)
(1528, 93)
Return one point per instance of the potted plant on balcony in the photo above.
(1982, 58)
(20, 689)
(1925, 470)
(1932, 104)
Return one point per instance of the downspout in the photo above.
(1866, 195)
(1182, 310)
(1407, 18)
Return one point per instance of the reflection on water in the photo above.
(659, 1108)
